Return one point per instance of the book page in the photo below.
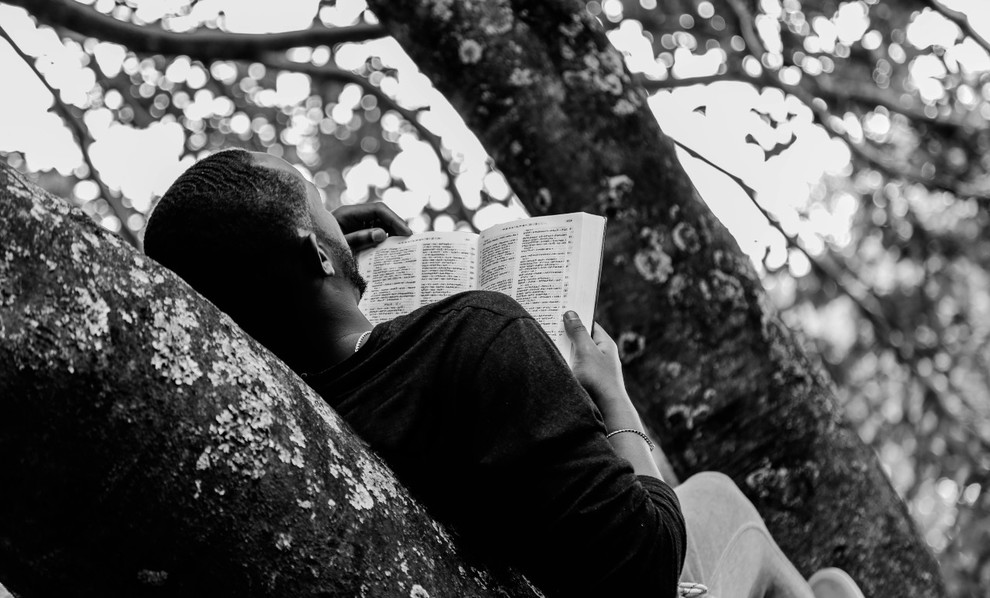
(405, 273)
(548, 264)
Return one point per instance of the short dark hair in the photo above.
(221, 225)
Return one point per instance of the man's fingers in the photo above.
(576, 329)
(364, 239)
(573, 324)
(599, 335)
(391, 221)
(368, 215)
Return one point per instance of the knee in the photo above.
(717, 488)
(712, 482)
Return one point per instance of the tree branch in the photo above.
(84, 422)
(873, 314)
(863, 151)
(747, 28)
(203, 45)
(651, 85)
(961, 21)
(82, 138)
(825, 88)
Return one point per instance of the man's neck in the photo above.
(328, 339)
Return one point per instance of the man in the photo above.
(467, 399)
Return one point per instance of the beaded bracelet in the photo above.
(642, 435)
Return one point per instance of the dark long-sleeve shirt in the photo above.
(472, 406)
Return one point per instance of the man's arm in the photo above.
(597, 367)
(574, 512)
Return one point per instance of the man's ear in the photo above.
(315, 259)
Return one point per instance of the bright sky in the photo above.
(784, 184)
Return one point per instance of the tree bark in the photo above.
(148, 447)
(713, 371)
(202, 45)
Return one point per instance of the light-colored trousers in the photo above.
(729, 548)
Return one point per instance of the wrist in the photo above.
(609, 394)
(622, 420)
(618, 412)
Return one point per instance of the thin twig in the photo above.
(81, 135)
(871, 313)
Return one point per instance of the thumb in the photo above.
(576, 330)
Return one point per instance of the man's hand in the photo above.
(596, 359)
(597, 368)
(368, 224)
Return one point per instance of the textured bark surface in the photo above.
(716, 375)
(148, 447)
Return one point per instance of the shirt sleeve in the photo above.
(570, 511)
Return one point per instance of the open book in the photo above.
(548, 264)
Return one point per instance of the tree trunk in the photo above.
(711, 368)
(148, 447)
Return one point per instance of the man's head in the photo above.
(251, 234)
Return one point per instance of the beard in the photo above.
(345, 260)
